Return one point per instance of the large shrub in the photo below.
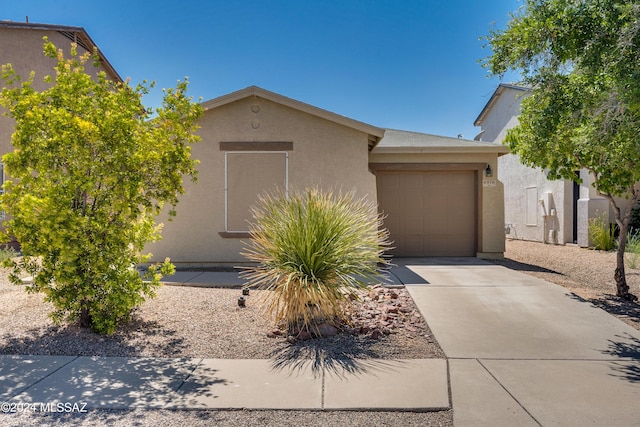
(313, 248)
(88, 176)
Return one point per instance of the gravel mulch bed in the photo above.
(207, 322)
(244, 418)
(585, 272)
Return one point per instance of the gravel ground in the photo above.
(207, 322)
(244, 418)
(173, 325)
(585, 272)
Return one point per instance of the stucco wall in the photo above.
(22, 48)
(324, 154)
(527, 191)
(503, 114)
(552, 220)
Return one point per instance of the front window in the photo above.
(247, 175)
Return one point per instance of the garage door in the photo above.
(429, 213)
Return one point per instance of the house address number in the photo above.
(488, 182)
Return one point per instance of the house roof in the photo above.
(401, 141)
(494, 97)
(76, 34)
(375, 133)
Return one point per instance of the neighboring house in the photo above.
(21, 45)
(537, 208)
(434, 190)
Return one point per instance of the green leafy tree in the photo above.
(582, 62)
(89, 174)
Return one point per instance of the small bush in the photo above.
(6, 254)
(311, 248)
(601, 233)
(632, 250)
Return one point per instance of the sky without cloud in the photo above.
(399, 64)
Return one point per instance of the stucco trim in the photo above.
(256, 146)
(426, 166)
(500, 150)
(235, 235)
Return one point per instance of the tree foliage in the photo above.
(581, 59)
(88, 176)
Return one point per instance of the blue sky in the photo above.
(400, 64)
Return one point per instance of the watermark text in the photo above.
(49, 407)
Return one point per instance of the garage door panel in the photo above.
(412, 224)
(438, 245)
(412, 243)
(413, 204)
(411, 180)
(430, 213)
(465, 229)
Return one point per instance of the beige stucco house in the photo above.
(440, 195)
(21, 45)
(434, 190)
(536, 208)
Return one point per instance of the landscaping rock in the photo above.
(304, 335)
(378, 312)
(327, 330)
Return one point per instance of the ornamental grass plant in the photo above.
(313, 248)
(632, 249)
(601, 233)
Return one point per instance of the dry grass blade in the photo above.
(309, 247)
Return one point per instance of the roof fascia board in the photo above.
(498, 149)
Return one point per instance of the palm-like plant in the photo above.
(313, 249)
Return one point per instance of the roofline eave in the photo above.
(497, 149)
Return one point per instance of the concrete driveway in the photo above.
(523, 351)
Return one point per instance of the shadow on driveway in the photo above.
(521, 266)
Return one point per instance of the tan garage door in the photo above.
(429, 213)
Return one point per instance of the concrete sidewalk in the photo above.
(122, 383)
